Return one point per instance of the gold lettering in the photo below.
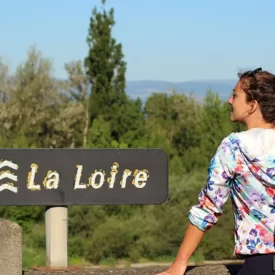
(140, 178)
(77, 184)
(113, 173)
(125, 175)
(49, 182)
(93, 177)
(31, 176)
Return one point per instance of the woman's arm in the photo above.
(192, 239)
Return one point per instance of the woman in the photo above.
(244, 169)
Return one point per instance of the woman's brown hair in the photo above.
(260, 86)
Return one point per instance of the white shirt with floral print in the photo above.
(244, 169)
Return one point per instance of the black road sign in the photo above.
(83, 176)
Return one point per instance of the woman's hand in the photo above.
(177, 268)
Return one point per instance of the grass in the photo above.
(163, 259)
(108, 262)
(77, 261)
(197, 258)
(37, 257)
(33, 257)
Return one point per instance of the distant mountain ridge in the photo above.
(144, 88)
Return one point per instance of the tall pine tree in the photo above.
(105, 66)
(106, 70)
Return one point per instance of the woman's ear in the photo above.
(253, 106)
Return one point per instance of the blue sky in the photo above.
(175, 40)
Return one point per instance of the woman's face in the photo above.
(239, 106)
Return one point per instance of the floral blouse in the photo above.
(244, 169)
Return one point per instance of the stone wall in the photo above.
(201, 270)
(10, 248)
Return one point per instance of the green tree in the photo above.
(214, 125)
(4, 81)
(35, 110)
(105, 66)
(78, 86)
(109, 103)
(31, 101)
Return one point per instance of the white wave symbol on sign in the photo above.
(7, 174)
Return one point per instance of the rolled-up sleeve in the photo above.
(217, 188)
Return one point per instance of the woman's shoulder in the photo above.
(253, 134)
(255, 141)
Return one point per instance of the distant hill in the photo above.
(144, 88)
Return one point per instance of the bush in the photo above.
(114, 238)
